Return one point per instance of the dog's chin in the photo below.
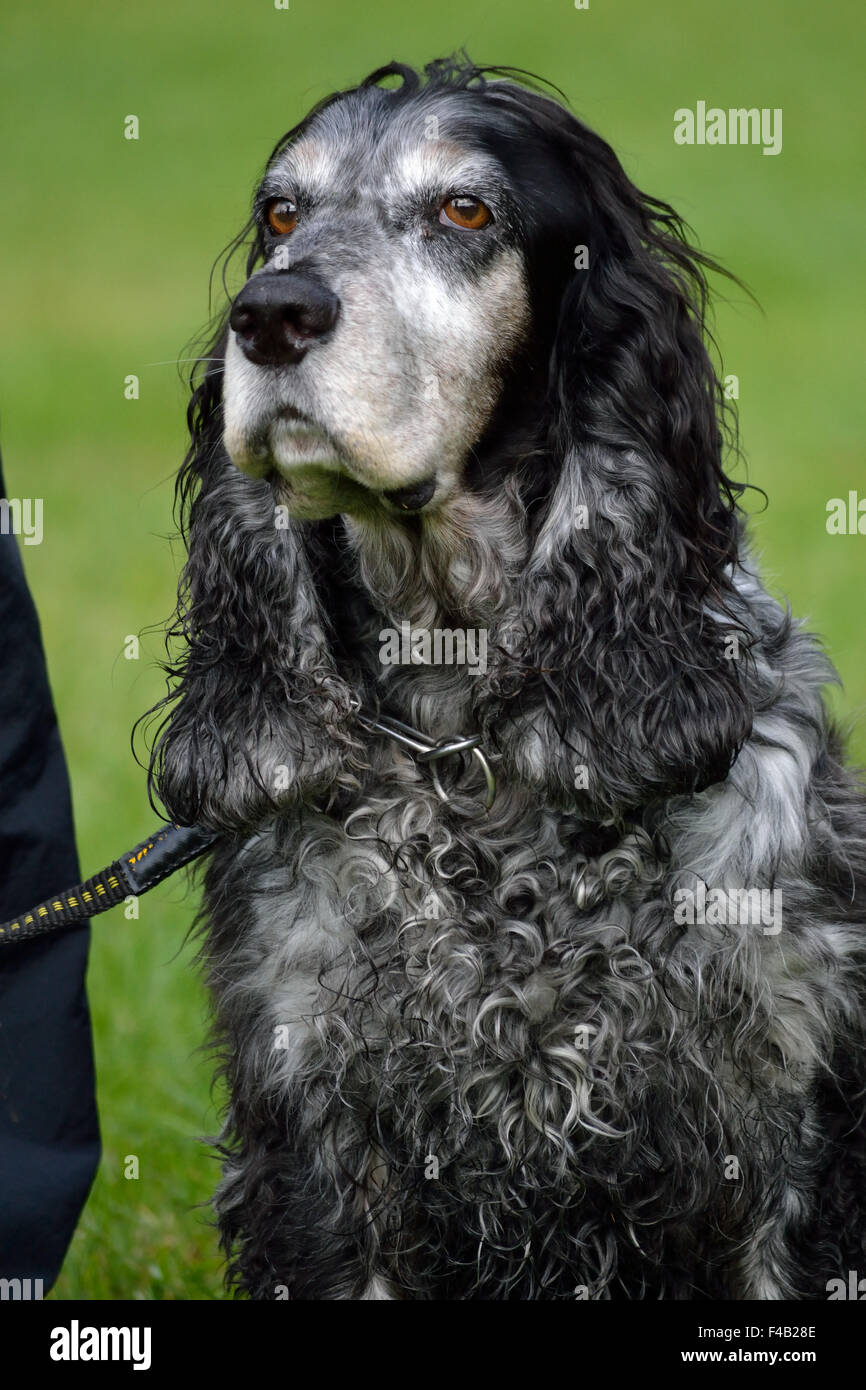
(313, 481)
(311, 492)
(304, 468)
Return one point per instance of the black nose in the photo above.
(277, 317)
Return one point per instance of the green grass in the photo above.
(106, 246)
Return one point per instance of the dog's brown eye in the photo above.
(282, 216)
(470, 213)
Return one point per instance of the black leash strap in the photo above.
(167, 849)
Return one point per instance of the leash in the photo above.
(136, 872)
(170, 847)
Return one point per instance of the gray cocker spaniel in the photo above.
(540, 974)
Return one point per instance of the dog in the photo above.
(539, 976)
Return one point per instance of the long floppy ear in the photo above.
(256, 713)
(631, 646)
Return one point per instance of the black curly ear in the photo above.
(630, 646)
(256, 714)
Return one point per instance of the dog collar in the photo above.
(431, 751)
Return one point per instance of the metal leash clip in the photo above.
(431, 751)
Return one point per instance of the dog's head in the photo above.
(407, 239)
(468, 337)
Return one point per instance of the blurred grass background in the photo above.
(106, 247)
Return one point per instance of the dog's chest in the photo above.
(459, 967)
(439, 973)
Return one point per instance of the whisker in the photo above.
(176, 361)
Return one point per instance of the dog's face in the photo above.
(366, 359)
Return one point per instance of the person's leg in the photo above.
(49, 1134)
